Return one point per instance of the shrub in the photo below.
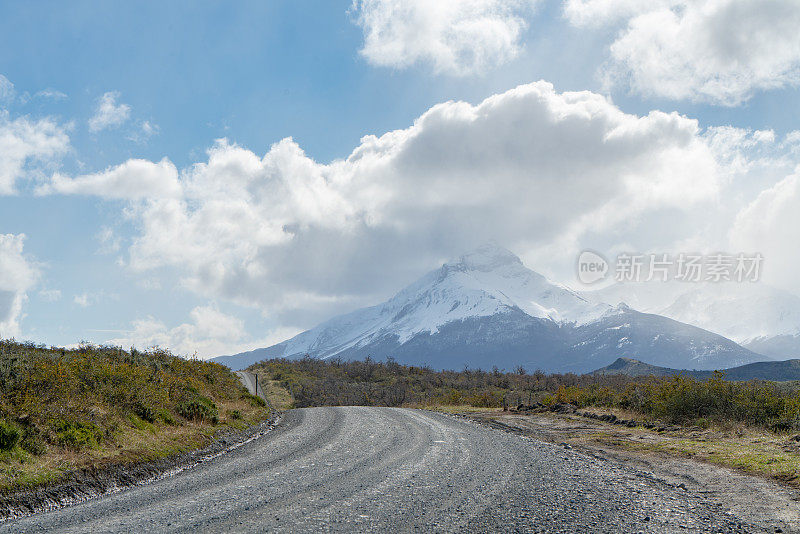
(235, 414)
(139, 423)
(145, 412)
(77, 435)
(48, 395)
(32, 442)
(485, 399)
(199, 409)
(9, 435)
(254, 400)
(165, 416)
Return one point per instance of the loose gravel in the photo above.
(342, 469)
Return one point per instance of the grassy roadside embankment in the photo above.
(747, 448)
(751, 426)
(93, 407)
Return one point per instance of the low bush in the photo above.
(199, 409)
(77, 434)
(32, 441)
(254, 399)
(9, 435)
(166, 417)
(145, 412)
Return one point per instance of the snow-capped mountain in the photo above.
(488, 309)
(762, 318)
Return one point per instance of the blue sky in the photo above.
(180, 75)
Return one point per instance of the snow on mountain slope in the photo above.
(749, 313)
(483, 283)
(488, 309)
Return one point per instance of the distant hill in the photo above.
(631, 367)
(777, 371)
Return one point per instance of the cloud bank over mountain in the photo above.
(284, 232)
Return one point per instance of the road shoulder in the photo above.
(757, 499)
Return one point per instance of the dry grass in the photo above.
(138, 442)
(62, 410)
(749, 449)
(764, 454)
(277, 395)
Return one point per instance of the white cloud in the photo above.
(51, 94)
(594, 13)
(143, 132)
(718, 51)
(149, 129)
(770, 224)
(287, 234)
(741, 150)
(24, 143)
(210, 333)
(108, 113)
(18, 274)
(457, 37)
(110, 243)
(50, 295)
(7, 90)
(84, 300)
(136, 178)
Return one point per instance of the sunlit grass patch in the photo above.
(62, 410)
(763, 454)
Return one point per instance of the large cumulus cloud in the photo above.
(286, 233)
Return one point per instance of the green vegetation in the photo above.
(9, 436)
(313, 382)
(199, 409)
(674, 400)
(90, 406)
(686, 400)
(77, 435)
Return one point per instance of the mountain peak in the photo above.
(488, 257)
(487, 305)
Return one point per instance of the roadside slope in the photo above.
(66, 412)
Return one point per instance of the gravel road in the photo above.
(395, 470)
